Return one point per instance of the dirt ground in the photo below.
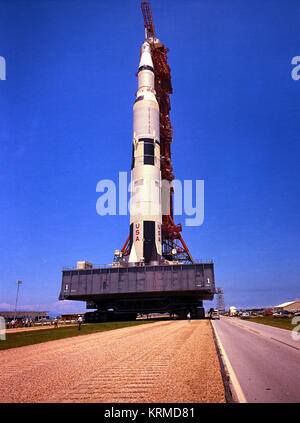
(163, 362)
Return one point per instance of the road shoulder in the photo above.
(233, 390)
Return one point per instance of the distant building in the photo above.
(220, 300)
(292, 306)
(33, 315)
(71, 316)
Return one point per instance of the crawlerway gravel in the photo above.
(163, 362)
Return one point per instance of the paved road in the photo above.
(265, 359)
(171, 361)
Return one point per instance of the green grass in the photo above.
(20, 339)
(279, 322)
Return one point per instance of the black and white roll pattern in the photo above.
(145, 199)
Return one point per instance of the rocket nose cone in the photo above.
(145, 47)
(145, 57)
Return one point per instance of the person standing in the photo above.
(189, 316)
(79, 322)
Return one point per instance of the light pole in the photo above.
(19, 283)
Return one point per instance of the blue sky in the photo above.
(66, 123)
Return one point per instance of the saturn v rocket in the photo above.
(145, 187)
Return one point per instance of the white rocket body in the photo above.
(145, 200)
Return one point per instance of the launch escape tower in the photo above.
(154, 271)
